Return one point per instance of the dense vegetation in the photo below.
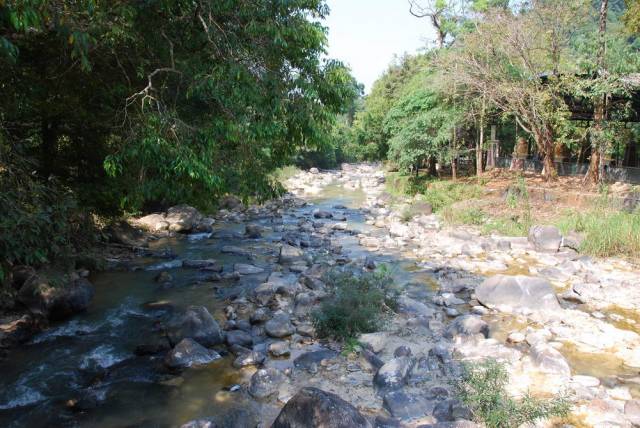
(517, 65)
(129, 106)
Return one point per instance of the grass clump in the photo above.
(361, 302)
(442, 194)
(469, 215)
(607, 232)
(482, 387)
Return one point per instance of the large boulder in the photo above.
(279, 326)
(406, 406)
(189, 353)
(550, 360)
(467, 325)
(517, 292)
(55, 302)
(182, 218)
(290, 255)
(545, 238)
(197, 324)
(312, 407)
(265, 382)
(152, 222)
(394, 373)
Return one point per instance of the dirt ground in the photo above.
(548, 199)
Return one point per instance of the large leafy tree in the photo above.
(179, 100)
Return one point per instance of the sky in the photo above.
(366, 34)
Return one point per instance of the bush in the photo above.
(361, 302)
(482, 387)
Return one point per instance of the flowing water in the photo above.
(90, 358)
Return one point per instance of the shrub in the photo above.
(482, 387)
(361, 302)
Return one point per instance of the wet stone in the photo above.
(265, 382)
(405, 406)
(307, 360)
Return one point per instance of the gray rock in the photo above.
(312, 407)
(406, 407)
(545, 238)
(251, 358)
(410, 306)
(573, 240)
(253, 231)
(279, 326)
(632, 411)
(402, 351)
(260, 315)
(247, 269)
(200, 264)
(322, 214)
(467, 325)
(197, 324)
(200, 423)
(517, 292)
(189, 353)
(152, 222)
(265, 382)
(550, 360)
(239, 337)
(55, 303)
(290, 255)
(182, 218)
(450, 411)
(309, 359)
(394, 373)
(279, 349)
(235, 250)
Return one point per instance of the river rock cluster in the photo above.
(533, 303)
(467, 297)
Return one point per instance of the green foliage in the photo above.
(467, 215)
(608, 232)
(137, 104)
(361, 302)
(41, 222)
(482, 387)
(631, 16)
(442, 194)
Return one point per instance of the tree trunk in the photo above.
(49, 137)
(454, 169)
(480, 143)
(544, 141)
(596, 165)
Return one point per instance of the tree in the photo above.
(137, 104)
(514, 59)
(596, 164)
(631, 17)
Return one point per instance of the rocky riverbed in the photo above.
(213, 324)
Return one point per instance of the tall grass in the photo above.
(608, 232)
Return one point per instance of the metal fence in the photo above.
(624, 174)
